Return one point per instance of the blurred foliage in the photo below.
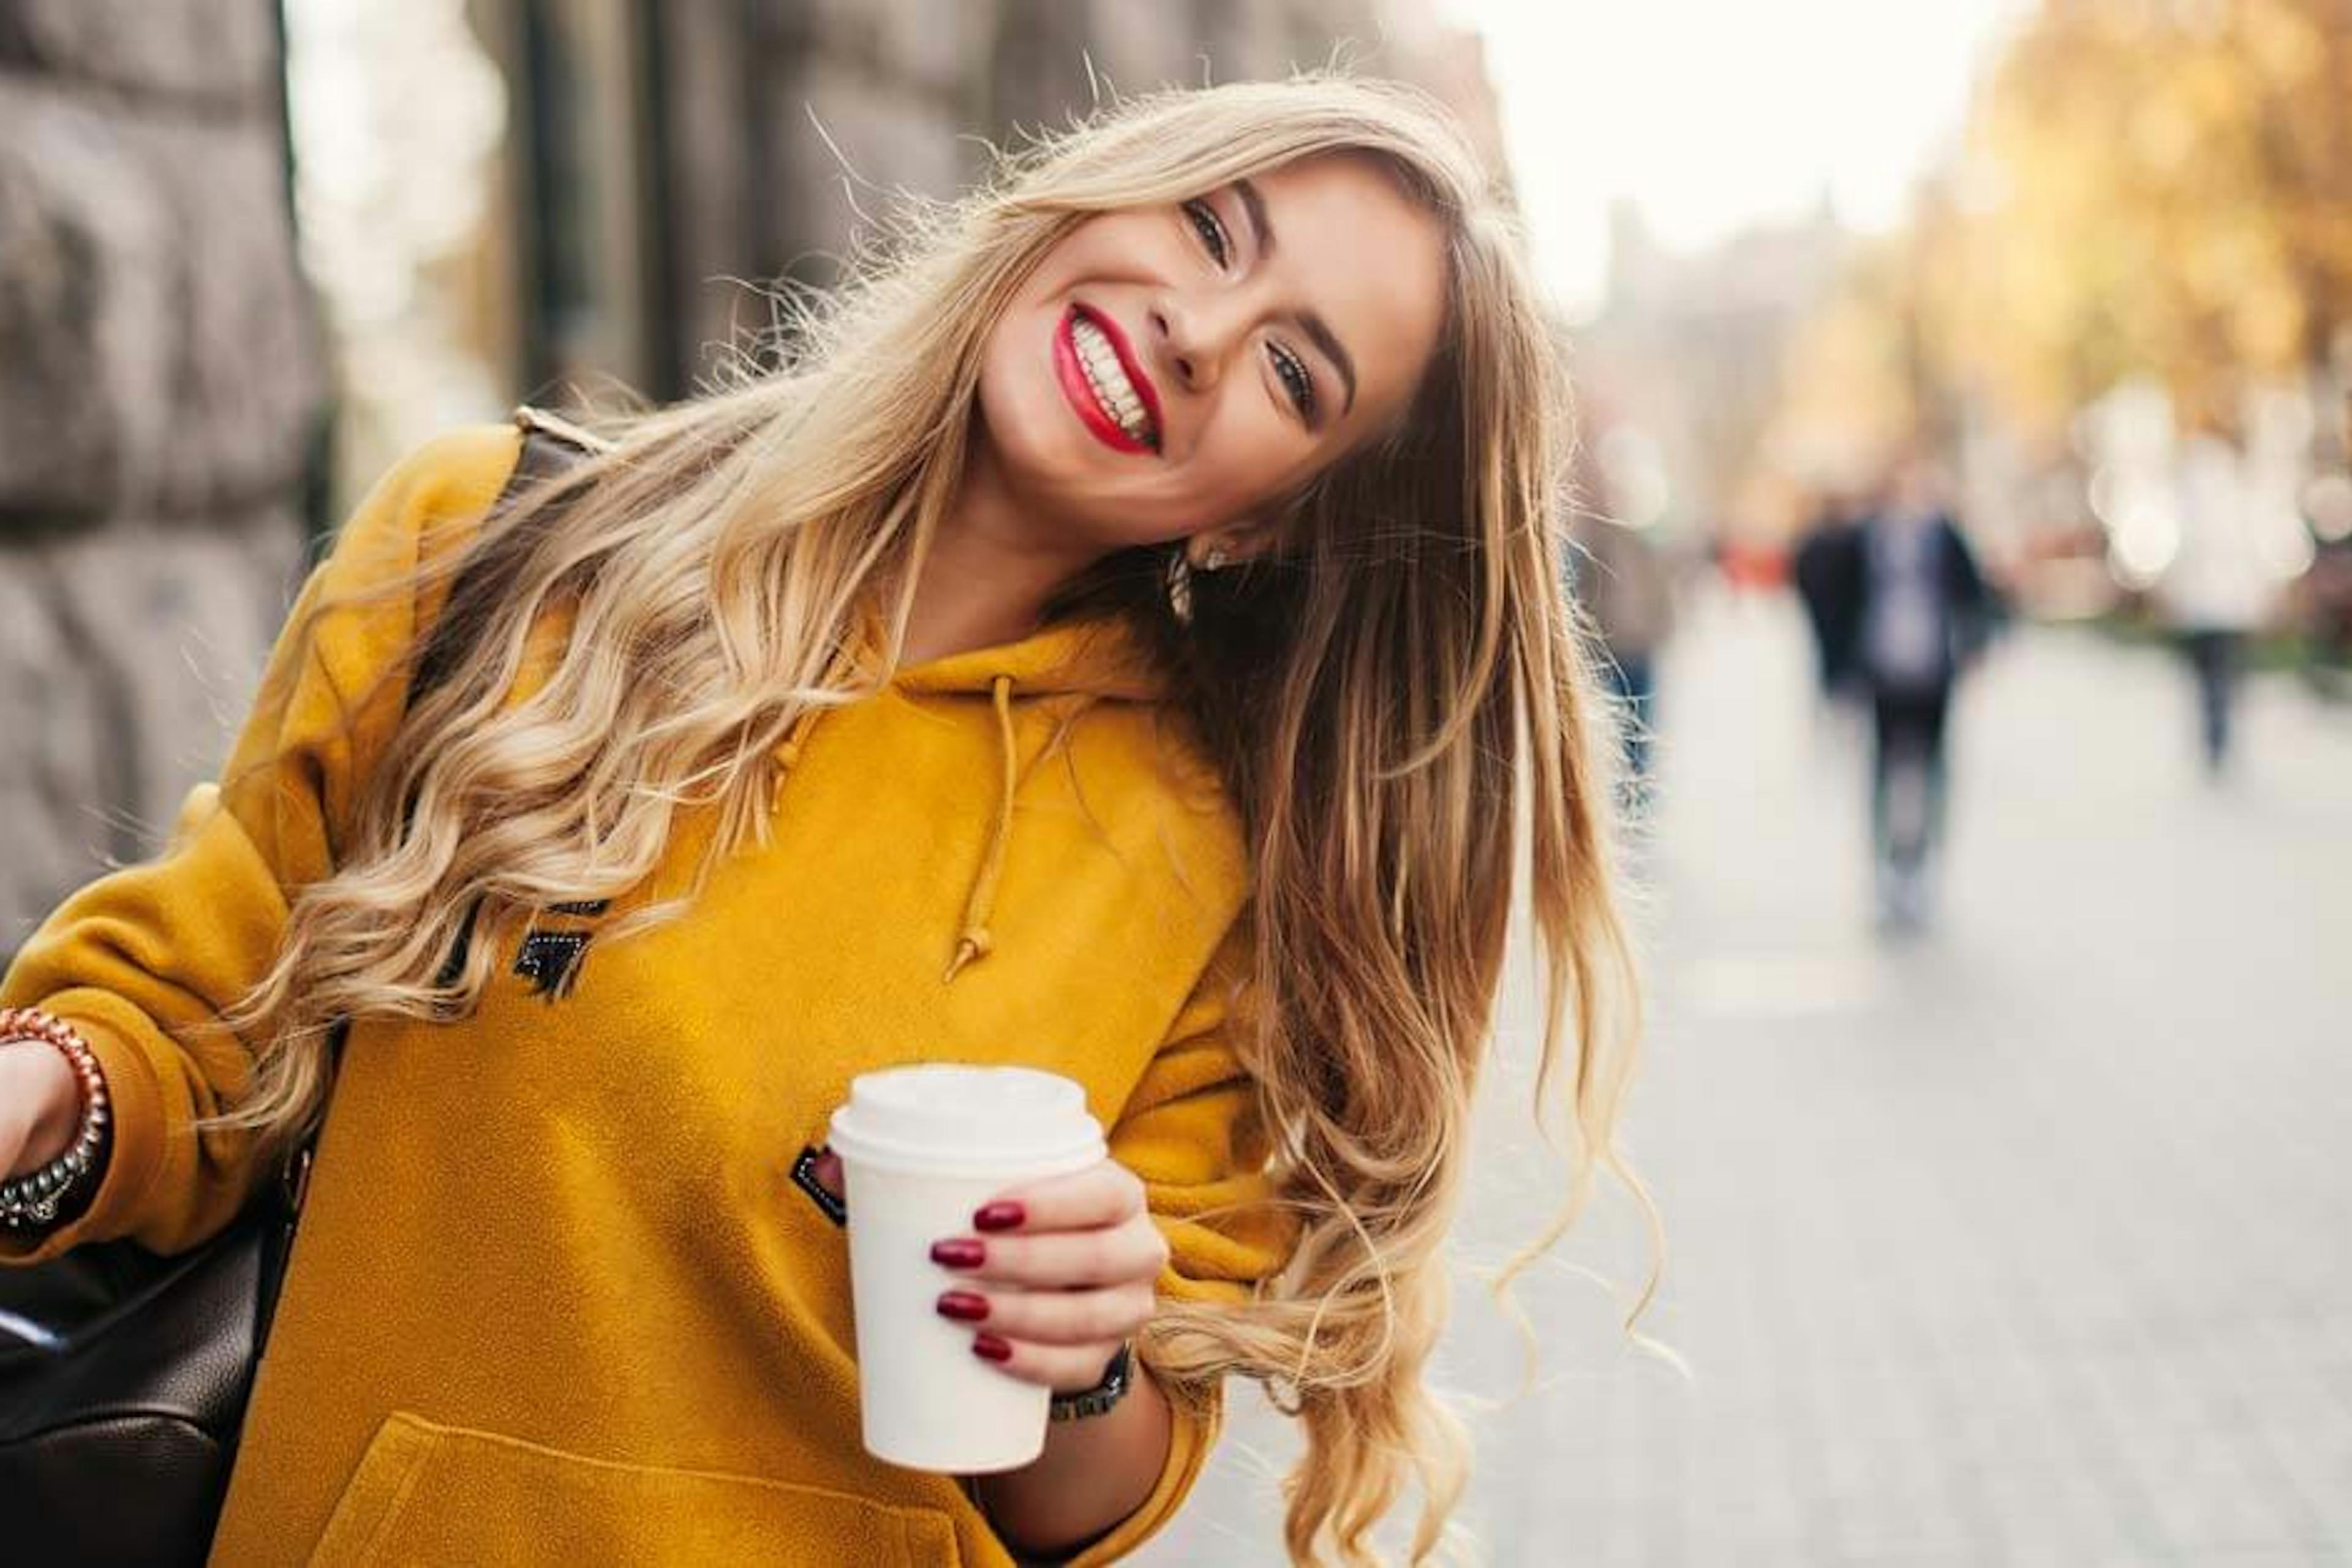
(2158, 187)
(2174, 198)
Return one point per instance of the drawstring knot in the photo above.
(973, 945)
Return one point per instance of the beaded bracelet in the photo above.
(31, 1200)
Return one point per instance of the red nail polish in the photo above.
(999, 1217)
(988, 1347)
(963, 1306)
(958, 1254)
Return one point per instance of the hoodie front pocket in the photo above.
(431, 1494)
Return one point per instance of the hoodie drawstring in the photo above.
(975, 943)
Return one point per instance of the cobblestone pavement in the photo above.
(2029, 1241)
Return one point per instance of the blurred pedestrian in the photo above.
(1621, 577)
(2326, 613)
(1116, 645)
(1907, 609)
(1820, 569)
(2215, 590)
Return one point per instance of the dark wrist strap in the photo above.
(1116, 1380)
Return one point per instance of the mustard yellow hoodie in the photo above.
(557, 1296)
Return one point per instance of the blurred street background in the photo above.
(1966, 394)
(2020, 1245)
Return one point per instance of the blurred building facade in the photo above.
(1690, 352)
(160, 378)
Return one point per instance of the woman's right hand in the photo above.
(40, 1105)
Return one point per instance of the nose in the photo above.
(1194, 339)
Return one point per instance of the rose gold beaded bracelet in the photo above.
(31, 1200)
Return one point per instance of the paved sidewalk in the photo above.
(2027, 1242)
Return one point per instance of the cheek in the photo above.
(1247, 456)
(1019, 403)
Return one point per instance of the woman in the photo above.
(1121, 643)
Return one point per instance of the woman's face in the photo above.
(1171, 370)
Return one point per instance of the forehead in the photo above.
(1352, 247)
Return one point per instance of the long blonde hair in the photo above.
(1380, 693)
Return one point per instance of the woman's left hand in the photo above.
(1056, 1275)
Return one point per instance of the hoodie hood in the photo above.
(1099, 659)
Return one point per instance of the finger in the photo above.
(1102, 1195)
(1066, 1369)
(824, 1167)
(1054, 1317)
(1059, 1260)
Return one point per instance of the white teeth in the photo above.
(1109, 378)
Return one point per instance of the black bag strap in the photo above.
(551, 447)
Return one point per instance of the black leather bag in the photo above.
(124, 1386)
(116, 1440)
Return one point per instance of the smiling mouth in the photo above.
(1110, 396)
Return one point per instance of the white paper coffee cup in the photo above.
(921, 1148)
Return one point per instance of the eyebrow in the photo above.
(1318, 331)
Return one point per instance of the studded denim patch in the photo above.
(550, 960)
(580, 907)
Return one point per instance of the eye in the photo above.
(1206, 224)
(1293, 371)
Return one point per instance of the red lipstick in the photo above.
(1068, 369)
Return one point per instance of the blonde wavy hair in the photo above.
(1387, 695)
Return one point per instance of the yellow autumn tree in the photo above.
(2158, 188)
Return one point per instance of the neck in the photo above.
(990, 570)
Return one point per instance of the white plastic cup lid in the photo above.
(954, 1119)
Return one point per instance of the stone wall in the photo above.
(160, 378)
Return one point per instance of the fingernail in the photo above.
(988, 1347)
(999, 1217)
(963, 1306)
(960, 1254)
